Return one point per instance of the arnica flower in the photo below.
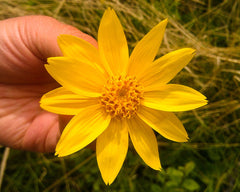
(114, 97)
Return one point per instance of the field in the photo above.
(210, 161)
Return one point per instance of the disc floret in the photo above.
(121, 96)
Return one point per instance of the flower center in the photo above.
(121, 96)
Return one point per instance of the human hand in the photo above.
(25, 44)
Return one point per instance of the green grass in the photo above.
(210, 161)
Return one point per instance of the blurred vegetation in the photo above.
(210, 161)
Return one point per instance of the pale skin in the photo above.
(25, 44)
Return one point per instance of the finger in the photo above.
(63, 121)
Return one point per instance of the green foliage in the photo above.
(210, 161)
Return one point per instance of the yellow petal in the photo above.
(173, 97)
(112, 146)
(166, 67)
(62, 101)
(146, 50)
(76, 47)
(79, 49)
(82, 130)
(165, 123)
(144, 141)
(78, 77)
(112, 43)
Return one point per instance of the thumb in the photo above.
(26, 43)
(43, 32)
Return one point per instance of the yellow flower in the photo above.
(113, 96)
